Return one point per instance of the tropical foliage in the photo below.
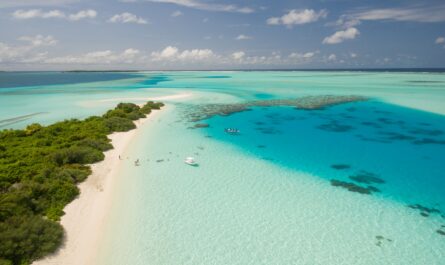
(40, 168)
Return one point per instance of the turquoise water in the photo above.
(265, 196)
(402, 147)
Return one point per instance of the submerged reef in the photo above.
(354, 187)
(362, 177)
(334, 126)
(340, 166)
(425, 211)
(366, 178)
(200, 125)
(306, 103)
(381, 239)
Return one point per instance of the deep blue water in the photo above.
(22, 79)
(401, 147)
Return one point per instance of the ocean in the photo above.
(354, 183)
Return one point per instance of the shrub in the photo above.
(154, 105)
(27, 238)
(77, 155)
(99, 144)
(135, 115)
(33, 128)
(127, 107)
(117, 124)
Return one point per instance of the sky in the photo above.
(220, 34)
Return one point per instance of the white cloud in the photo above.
(332, 57)
(205, 5)
(127, 18)
(440, 40)
(243, 37)
(172, 54)
(90, 13)
(353, 55)
(430, 13)
(26, 53)
(167, 53)
(298, 17)
(177, 13)
(342, 35)
(196, 54)
(345, 22)
(22, 3)
(38, 13)
(39, 40)
(301, 56)
(128, 56)
(238, 55)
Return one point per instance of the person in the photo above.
(136, 163)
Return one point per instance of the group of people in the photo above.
(136, 162)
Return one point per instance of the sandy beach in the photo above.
(85, 216)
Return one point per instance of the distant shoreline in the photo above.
(395, 69)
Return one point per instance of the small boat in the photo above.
(232, 130)
(190, 161)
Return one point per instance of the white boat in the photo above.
(190, 161)
(232, 130)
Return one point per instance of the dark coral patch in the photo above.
(428, 141)
(440, 232)
(396, 136)
(367, 178)
(340, 166)
(426, 132)
(371, 124)
(381, 239)
(201, 125)
(268, 130)
(373, 189)
(335, 127)
(423, 210)
(352, 187)
(424, 214)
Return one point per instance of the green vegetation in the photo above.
(40, 168)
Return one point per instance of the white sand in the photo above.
(85, 217)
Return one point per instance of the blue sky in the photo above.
(220, 34)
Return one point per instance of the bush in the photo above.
(146, 109)
(115, 113)
(77, 155)
(136, 115)
(33, 128)
(75, 173)
(128, 107)
(102, 144)
(27, 238)
(117, 124)
(153, 105)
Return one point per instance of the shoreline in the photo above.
(84, 217)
